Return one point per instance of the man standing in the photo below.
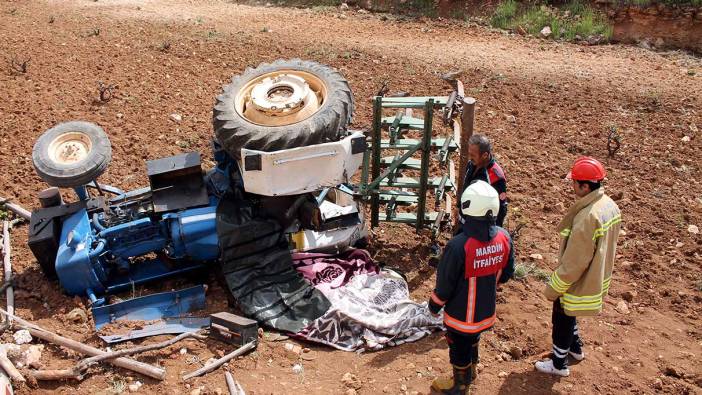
(581, 281)
(472, 264)
(482, 166)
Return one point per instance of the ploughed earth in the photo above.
(543, 104)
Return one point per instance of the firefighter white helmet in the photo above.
(480, 200)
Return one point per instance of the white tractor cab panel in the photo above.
(305, 169)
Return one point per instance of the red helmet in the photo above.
(586, 168)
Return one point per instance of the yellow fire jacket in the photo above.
(590, 230)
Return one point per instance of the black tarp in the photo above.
(257, 267)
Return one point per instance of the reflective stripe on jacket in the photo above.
(589, 239)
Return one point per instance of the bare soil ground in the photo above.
(543, 104)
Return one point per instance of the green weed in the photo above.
(522, 271)
(572, 21)
(504, 14)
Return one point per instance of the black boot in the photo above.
(459, 385)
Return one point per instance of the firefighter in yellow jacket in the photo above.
(577, 288)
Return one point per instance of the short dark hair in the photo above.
(591, 184)
(482, 142)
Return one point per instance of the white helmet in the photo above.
(480, 199)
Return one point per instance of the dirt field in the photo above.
(543, 103)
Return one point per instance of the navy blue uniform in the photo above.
(493, 175)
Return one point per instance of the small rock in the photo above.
(298, 369)
(685, 139)
(343, 6)
(502, 374)
(658, 384)
(505, 357)
(622, 307)
(515, 352)
(362, 11)
(32, 356)
(673, 372)
(351, 381)
(22, 336)
(196, 391)
(342, 16)
(77, 315)
(292, 351)
(13, 351)
(120, 115)
(183, 351)
(629, 295)
(538, 257)
(350, 391)
(546, 31)
(692, 229)
(510, 118)
(176, 117)
(134, 387)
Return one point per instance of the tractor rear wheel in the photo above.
(281, 105)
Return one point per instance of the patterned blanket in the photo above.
(370, 308)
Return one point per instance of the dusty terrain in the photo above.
(543, 103)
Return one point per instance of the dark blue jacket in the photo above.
(471, 266)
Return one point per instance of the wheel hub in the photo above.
(281, 98)
(280, 95)
(70, 148)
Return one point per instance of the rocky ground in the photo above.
(543, 104)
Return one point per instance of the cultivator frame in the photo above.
(387, 187)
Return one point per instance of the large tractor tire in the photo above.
(281, 105)
(72, 154)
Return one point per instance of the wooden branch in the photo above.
(41, 333)
(214, 365)
(9, 292)
(10, 369)
(77, 371)
(16, 208)
(233, 385)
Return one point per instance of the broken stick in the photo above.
(78, 371)
(234, 386)
(10, 369)
(41, 333)
(10, 293)
(16, 208)
(214, 365)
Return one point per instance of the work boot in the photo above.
(458, 385)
